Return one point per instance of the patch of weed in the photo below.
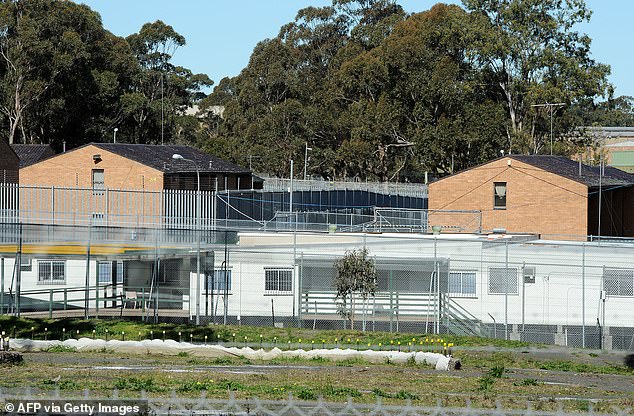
(197, 385)
(138, 384)
(60, 348)
(332, 391)
(62, 384)
(496, 371)
(526, 382)
(305, 393)
(231, 385)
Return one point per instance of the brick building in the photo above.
(9, 164)
(127, 185)
(548, 195)
(136, 167)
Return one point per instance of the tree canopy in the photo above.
(375, 92)
(63, 77)
(379, 94)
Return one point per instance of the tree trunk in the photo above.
(352, 312)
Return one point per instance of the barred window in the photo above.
(502, 281)
(462, 283)
(105, 271)
(217, 283)
(51, 272)
(618, 282)
(278, 281)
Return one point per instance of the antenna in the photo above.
(551, 109)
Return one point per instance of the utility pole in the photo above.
(306, 160)
(551, 109)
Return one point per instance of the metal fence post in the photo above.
(583, 295)
(18, 273)
(50, 304)
(437, 291)
(87, 280)
(506, 290)
(2, 286)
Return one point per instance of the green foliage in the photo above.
(527, 382)
(59, 383)
(401, 394)
(63, 77)
(356, 275)
(138, 384)
(60, 348)
(496, 371)
(379, 94)
(485, 384)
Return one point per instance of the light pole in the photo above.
(114, 136)
(306, 159)
(198, 213)
(551, 109)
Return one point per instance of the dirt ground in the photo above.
(546, 376)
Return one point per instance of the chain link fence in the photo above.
(175, 405)
(573, 293)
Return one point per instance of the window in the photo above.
(499, 195)
(278, 281)
(25, 264)
(106, 272)
(51, 272)
(98, 181)
(217, 283)
(462, 284)
(618, 282)
(502, 281)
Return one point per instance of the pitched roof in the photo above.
(590, 175)
(32, 153)
(160, 157)
(11, 151)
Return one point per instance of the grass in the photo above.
(254, 337)
(304, 379)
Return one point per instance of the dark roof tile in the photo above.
(590, 175)
(160, 157)
(32, 153)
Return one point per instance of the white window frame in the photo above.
(120, 272)
(273, 281)
(462, 293)
(497, 196)
(51, 264)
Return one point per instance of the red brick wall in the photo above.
(74, 169)
(537, 201)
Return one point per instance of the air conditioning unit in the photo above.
(529, 274)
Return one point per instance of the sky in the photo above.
(221, 34)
